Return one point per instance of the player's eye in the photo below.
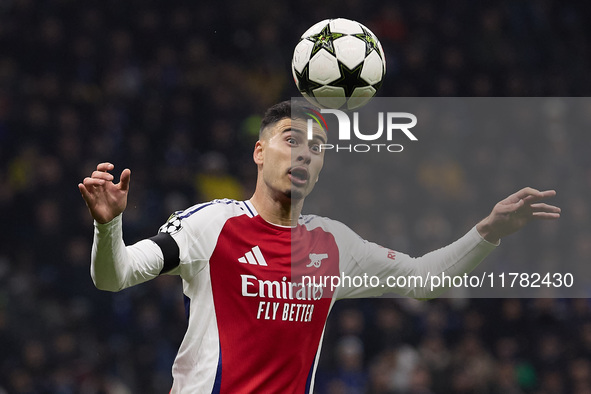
(292, 141)
(315, 148)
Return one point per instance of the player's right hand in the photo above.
(105, 199)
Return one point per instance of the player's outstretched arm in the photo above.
(514, 212)
(105, 199)
(455, 259)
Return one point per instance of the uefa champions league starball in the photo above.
(338, 63)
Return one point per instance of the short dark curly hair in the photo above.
(282, 110)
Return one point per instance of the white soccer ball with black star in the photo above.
(172, 226)
(338, 63)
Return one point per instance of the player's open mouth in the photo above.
(298, 175)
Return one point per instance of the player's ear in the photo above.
(257, 155)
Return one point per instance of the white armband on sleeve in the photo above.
(115, 266)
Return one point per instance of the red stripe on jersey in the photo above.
(269, 325)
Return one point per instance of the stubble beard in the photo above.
(298, 194)
(295, 195)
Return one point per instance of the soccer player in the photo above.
(255, 324)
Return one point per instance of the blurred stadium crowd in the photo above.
(174, 90)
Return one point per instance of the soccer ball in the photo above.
(338, 63)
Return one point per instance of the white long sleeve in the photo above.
(455, 259)
(115, 266)
(368, 258)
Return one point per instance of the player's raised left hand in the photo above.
(514, 212)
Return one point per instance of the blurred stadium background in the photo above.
(174, 90)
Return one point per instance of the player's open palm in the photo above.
(105, 199)
(514, 212)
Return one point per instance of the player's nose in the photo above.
(303, 156)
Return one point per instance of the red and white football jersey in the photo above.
(255, 322)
